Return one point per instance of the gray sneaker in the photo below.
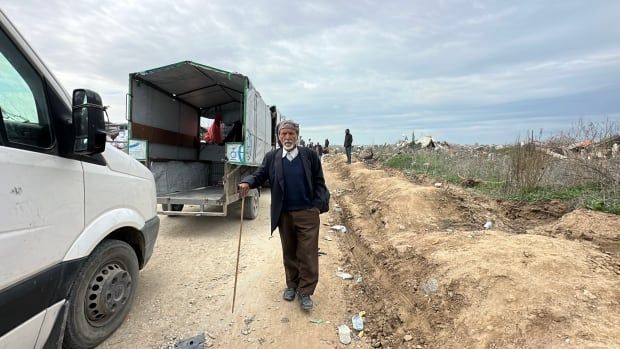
(289, 294)
(306, 302)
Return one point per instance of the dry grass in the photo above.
(583, 176)
(526, 167)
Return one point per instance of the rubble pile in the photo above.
(608, 148)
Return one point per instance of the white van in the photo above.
(77, 220)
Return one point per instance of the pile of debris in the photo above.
(606, 148)
(382, 152)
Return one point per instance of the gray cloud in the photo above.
(464, 71)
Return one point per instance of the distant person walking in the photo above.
(348, 144)
(298, 196)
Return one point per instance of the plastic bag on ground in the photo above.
(344, 276)
(339, 228)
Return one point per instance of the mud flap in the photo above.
(54, 341)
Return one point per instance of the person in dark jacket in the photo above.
(348, 144)
(298, 196)
(326, 149)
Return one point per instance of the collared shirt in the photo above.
(290, 155)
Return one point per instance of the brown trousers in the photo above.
(299, 234)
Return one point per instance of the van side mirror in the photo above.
(88, 123)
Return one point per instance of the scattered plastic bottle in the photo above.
(344, 334)
(358, 322)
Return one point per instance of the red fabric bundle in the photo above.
(214, 133)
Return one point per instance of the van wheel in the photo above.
(250, 208)
(172, 207)
(101, 295)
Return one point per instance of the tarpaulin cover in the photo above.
(257, 127)
(196, 84)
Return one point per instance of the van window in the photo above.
(25, 118)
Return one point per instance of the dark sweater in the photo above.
(296, 192)
(271, 169)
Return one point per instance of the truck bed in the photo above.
(200, 196)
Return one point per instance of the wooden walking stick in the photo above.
(238, 250)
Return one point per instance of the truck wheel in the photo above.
(250, 208)
(101, 295)
(172, 207)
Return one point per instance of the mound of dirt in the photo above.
(602, 229)
(434, 277)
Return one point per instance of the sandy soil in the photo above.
(435, 278)
(431, 276)
(187, 289)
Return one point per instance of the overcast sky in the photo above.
(461, 71)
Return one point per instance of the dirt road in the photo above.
(187, 287)
(539, 276)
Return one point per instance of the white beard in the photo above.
(289, 148)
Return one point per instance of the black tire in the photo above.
(102, 294)
(250, 207)
(172, 207)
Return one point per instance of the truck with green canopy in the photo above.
(169, 109)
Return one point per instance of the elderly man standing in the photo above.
(298, 196)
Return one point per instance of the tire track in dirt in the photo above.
(393, 302)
